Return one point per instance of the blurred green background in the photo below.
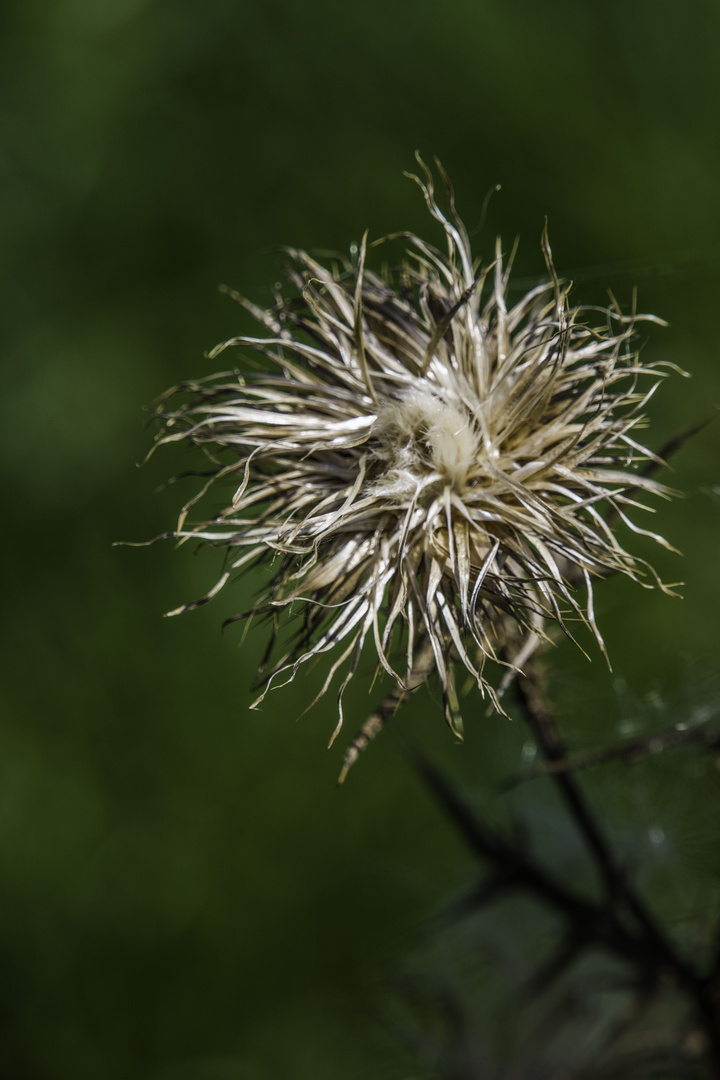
(184, 892)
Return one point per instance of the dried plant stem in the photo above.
(588, 923)
(632, 751)
(620, 893)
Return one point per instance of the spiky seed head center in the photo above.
(421, 437)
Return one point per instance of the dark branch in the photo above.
(631, 752)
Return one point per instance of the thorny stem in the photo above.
(541, 720)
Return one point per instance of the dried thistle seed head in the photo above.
(423, 465)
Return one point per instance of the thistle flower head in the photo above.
(425, 466)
